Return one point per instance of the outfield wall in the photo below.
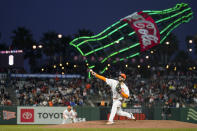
(53, 115)
(8, 115)
(39, 115)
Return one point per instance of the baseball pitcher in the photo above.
(120, 92)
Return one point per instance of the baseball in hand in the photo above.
(92, 72)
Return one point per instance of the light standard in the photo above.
(59, 36)
(189, 42)
(34, 47)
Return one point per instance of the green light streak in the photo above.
(173, 29)
(130, 34)
(91, 67)
(173, 15)
(72, 44)
(97, 34)
(177, 7)
(115, 53)
(176, 25)
(156, 12)
(167, 11)
(155, 22)
(136, 54)
(103, 47)
(89, 75)
(133, 55)
(103, 36)
(80, 51)
(103, 70)
(175, 22)
(190, 14)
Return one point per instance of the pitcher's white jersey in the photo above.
(113, 83)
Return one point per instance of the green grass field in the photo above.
(42, 128)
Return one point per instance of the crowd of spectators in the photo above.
(4, 95)
(177, 88)
(48, 92)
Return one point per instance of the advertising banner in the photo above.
(46, 76)
(8, 115)
(40, 115)
(189, 115)
(145, 28)
(139, 113)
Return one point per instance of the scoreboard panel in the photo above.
(12, 59)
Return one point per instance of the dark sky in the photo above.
(67, 16)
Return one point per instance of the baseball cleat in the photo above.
(132, 117)
(109, 123)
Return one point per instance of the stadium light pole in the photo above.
(34, 47)
(189, 42)
(167, 42)
(59, 36)
(40, 46)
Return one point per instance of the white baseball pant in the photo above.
(116, 108)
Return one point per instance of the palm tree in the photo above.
(64, 48)
(51, 44)
(22, 39)
(3, 46)
(182, 56)
(183, 60)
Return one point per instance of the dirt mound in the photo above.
(128, 124)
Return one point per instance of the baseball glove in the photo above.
(118, 88)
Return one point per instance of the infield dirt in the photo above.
(128, 124)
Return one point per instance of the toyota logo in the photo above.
(27, 115)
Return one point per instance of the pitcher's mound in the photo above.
(129, 124)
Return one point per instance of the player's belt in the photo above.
(120, 99)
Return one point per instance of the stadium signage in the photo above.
(137, 110)
(11, 51)
(40, 115)
(145, 28)
(45, 76)
(7, 115)
(27, 115)
(192, 114)
(46, 115)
